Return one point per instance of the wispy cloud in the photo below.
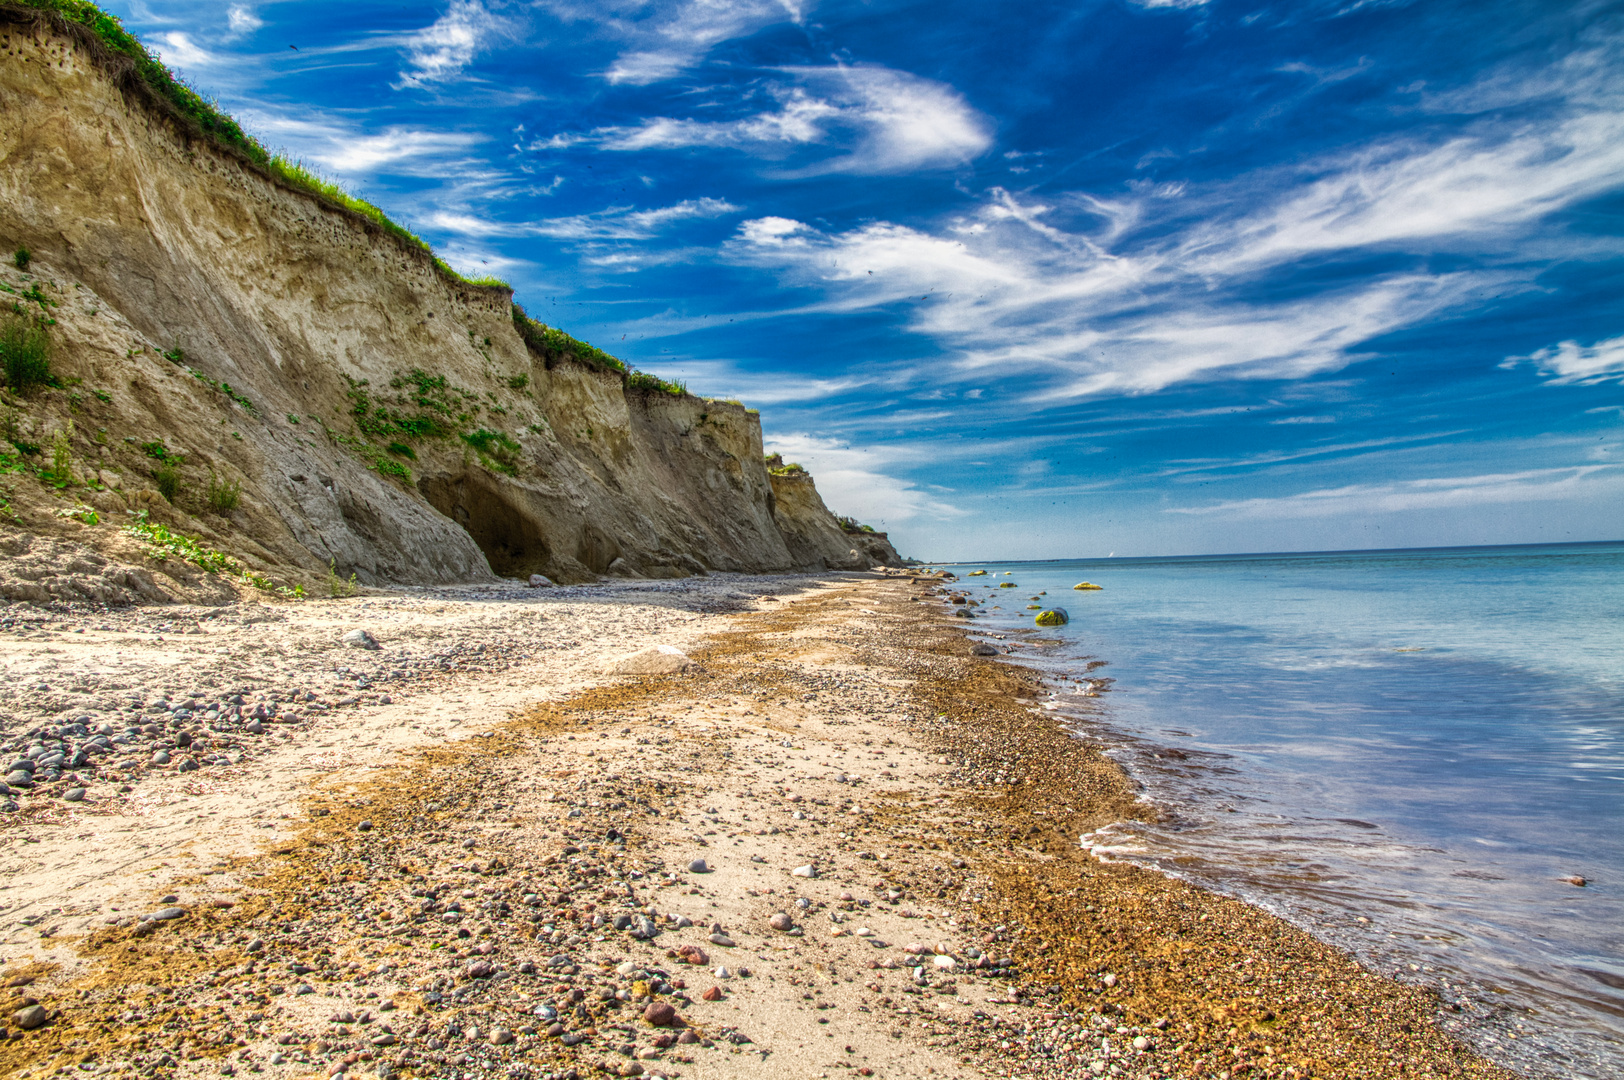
(664, 38)
(1439, 493)
(1571, 362)
(874, 119)
(242, 20)
(613, 223)
(178, 50)
(442, 50)
(336, 146)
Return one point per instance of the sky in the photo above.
(1029, 280)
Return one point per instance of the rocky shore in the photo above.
(830, 841)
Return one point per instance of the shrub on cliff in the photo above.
(25, 352)
(552, 345)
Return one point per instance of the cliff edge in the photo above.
(242, 362)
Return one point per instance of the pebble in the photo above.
(807, 871)
(75, 794)
(161, 758)
(981, 648)
(713, 994)
(501, 1036)
(1141, 1043)
(1109, 980)
(360, 639)
(722, 939)
(165, 914)
(539, 581)
(29, 1018)
(660, 1013)
(781, 921)
(698, 866)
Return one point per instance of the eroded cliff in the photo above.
(247, 362)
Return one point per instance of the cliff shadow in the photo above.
(513, 541)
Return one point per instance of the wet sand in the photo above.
(445, 901)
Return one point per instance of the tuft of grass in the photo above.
(517, 382)
(852, 525)
(25, 352)
(496, 449)
(553, 345)
(22, 257)
(793, 468)
(61, 471)
(166, 478)
(162, 543)
(337, 587)
(223, 494)
(401, 450)
(653, 384)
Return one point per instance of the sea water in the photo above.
(1405, 752)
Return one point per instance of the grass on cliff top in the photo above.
(551, 344)
(222, 128)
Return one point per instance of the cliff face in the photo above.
(379, 414)
(814, 537)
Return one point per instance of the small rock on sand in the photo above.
(655, 660)
(360, 639)
(698, 866)
(29, 1018)
(981, 648)
(781, 922)
(713, 994)
(807, 871)
(660, 1013)
(722, 939)
(538, 581)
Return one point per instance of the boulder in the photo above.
(538, 581)
(655, 660)
(981, 648)
(1053, 617)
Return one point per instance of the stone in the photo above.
(713, 994)
(687, 1038)
(385, 1039)
(655, 660)
(161, 758)
(781, 922)
(165, 914)
(660, 1013)
(30, 1017)
(946, 963)
(631, 1068)
(1053, 617)
(1140, 1043)
(538, 581)
(722, 939)
(698, 866)
(479, 969)
(981, 648)
(73, 794)
(501, 1036)
(807, 871)
(186, 764)
(1109, 980)
(360, 639)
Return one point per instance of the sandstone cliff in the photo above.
(219, 330)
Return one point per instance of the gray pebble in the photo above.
(698, 867)
(30, 1017)
(75, 794)
(360, 639)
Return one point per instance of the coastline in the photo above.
(841, 724)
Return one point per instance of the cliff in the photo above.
(246, 361)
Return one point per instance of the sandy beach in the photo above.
(836, 843)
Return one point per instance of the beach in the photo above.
(835, 843)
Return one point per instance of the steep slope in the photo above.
(379, 414)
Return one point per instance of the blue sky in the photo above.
(1030, 280)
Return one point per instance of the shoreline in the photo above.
(841, 724)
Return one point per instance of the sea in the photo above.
(1415, 755)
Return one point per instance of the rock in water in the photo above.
(360, 639)
(656, 660)
(1053, 617)
(981, 648)
(1087, 585)
(537, 581)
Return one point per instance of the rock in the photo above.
(160, 758)
(698, 866)
(1109, 980)
(1086, 585)
(165, 914)
(807, 871)
(644, 928)
(365, 826)
(385, 1039)
(186, 764)
(1140, 1043)
(631, 1068)
(73, 794)
(1053, 617)
(30, 1017)
(479, 969)
(687, 1038)
(555, 1030)
(722, 939)
(537, 581)
(360, 639)
(1576, 880)
(655, 660)
(981, 648)
(660, 1013)
(946, 963)
(713, 994)
(501, 1036)
(781, 922)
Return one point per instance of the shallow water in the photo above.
(1425, 740)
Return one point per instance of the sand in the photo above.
(431, 887)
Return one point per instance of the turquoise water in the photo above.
(1405, 751)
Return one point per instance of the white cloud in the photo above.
(177, 50)
(883, 121)
(667, 38)
(854, 482)
(1437, 493)
(242, 20)
(341, 149)
(614, 223)
(440, 51)
(1571, 362)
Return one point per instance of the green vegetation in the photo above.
(178, 358)
(223, 494)
(553, 345)
(642, 380)
(293, 418)
(517, 382)
(852, 525)
(337, 587)
(401, 450)
(206, 116)
(166, 478)
(22, 257)
(25, 352)
(61, 471)
(157, 451)
(445, 407)
(497, 450)
(82, 513)
(163, 544)
(782, 468)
